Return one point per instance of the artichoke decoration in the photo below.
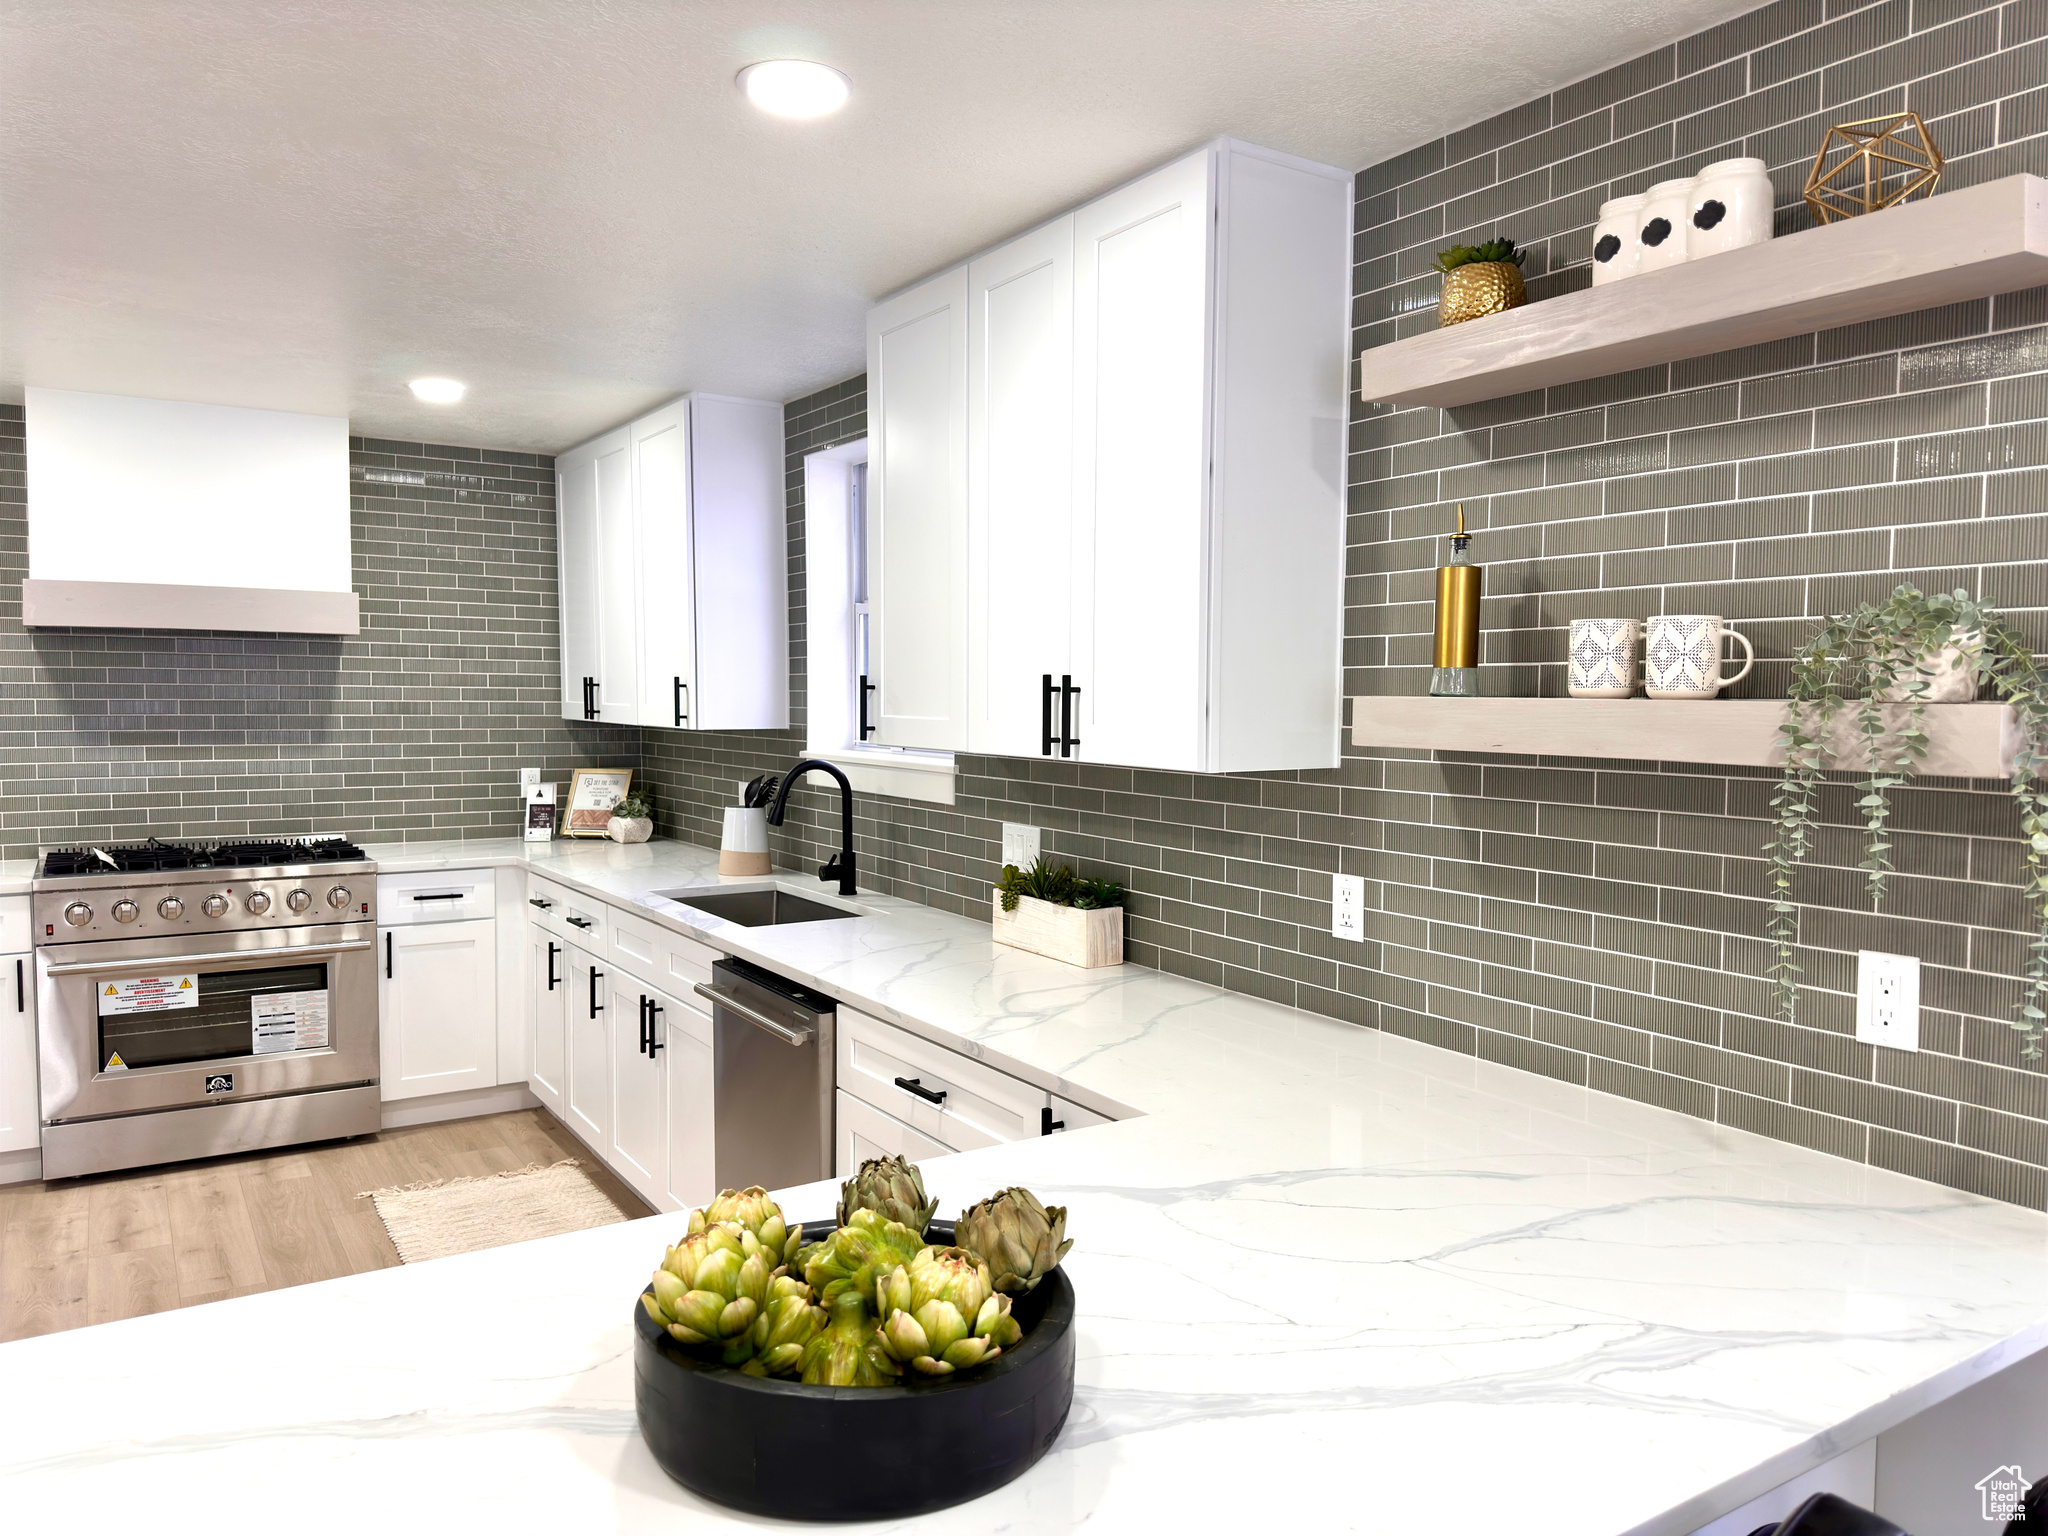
(859, 1253)
(784, 1330)
(753, 1209)
(849, 1351)
(1021, 1241)
(710, 1288)
(891, 1187)
(941, 1314)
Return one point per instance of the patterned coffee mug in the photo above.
(1682, 656)
(1603, 661)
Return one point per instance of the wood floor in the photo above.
(122, 1244)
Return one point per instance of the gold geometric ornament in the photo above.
(1879, 165)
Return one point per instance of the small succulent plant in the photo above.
(1493, 250)
(1058, 884)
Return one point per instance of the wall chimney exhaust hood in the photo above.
(159, 514)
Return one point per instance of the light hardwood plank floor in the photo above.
(122, 1244)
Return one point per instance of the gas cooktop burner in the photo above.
(154, 855)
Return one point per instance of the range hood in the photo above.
(162, 514)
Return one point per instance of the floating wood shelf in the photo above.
(1968, 741)
(1959, 245)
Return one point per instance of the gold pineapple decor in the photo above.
(1880, 161)
(1480, 280)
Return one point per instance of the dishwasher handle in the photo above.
(775, 1027)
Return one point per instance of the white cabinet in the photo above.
(690, 1177)
(957, 1102)
(917, 510)
(438, 1008)
(1020, 546)
(547, 985)
(1153, 404)
(865, 1132)
(638, 1147)
(673, 569)
(20, 1109)
(587, 1102)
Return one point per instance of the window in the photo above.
(836, 632)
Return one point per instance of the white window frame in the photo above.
(832, 692)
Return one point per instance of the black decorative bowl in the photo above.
(858, 1453)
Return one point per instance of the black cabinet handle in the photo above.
(654, 1041)
(1070, 697)
(1045, 717)
(1046, 1124)
(444, 896)
(866, 688)
(387, 954)
(554, 949)
(595, 1006)
(20, 990)
(916, 1085)
(643, 1024)
(545, 906)
(590, 698)
(579, 922)
(682, 702)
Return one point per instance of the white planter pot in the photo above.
(1951, 682)
(629, 829)
(1088, 938)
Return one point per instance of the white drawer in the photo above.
(545, 903)
(657, 955)
(976, 1106)
(436, 896)
(585, 920)
(864, 1132)
(14, 925)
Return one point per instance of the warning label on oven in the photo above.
(288, 1021)
(148, 994)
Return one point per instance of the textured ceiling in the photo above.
(571, 207)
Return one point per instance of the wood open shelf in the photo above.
(1970, 741)
(1959, 245)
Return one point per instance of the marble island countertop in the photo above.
(1325, 1270)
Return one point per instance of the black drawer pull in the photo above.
(1046, 1124)
(579, 922)
(545, 906)
(445, 896)
(916, 1085)
(387, 954)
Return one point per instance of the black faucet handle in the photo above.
(830, 869)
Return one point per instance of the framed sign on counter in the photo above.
(592, 794)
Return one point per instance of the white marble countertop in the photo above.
(1329, 1270)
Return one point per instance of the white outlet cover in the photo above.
(528, 777)
(1021, 844)
(1888, 1000)
(1347, 907)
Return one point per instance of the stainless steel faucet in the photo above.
(841, 863)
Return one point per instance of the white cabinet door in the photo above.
(917, 514)
(739, 523)
(547, 991)
(1141, 329)
(20, 1109)
(1020, 373)
(438, 1008)
(668, 624)
(576, 552)
(864, 1132)
(618, 583)
(637, 1149)
(684, 1031)
(589, 1097)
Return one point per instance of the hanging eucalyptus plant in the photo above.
(1884, 654)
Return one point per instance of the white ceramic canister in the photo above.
(1730, 207)
(1616, 247)
(1663, 222)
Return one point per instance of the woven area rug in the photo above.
(431, 1221)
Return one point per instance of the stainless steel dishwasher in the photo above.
(772, 1064)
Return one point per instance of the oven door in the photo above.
(140, 1024)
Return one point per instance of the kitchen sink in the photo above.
(758, 909)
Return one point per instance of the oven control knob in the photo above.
(340, 897)
(78, 914)
(215, 905)
(170, 909)
(259, 902)
(126, 911)
(298, 901)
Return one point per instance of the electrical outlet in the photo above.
(1888, 1000)
(528, 778)
(1021, 844)
(1347, 907)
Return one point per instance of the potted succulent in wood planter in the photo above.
(1480, 280)
(1050, 910)
(632, 820)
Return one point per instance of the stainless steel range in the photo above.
(197, 999)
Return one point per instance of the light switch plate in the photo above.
(528, 777)
(1888, 1000)
(1021, 844)
(1347, 907)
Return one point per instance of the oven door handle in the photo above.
(168, 962)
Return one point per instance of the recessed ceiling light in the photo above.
(795, 87)
(438, 391)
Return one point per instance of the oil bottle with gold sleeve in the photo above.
(1455, 663)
